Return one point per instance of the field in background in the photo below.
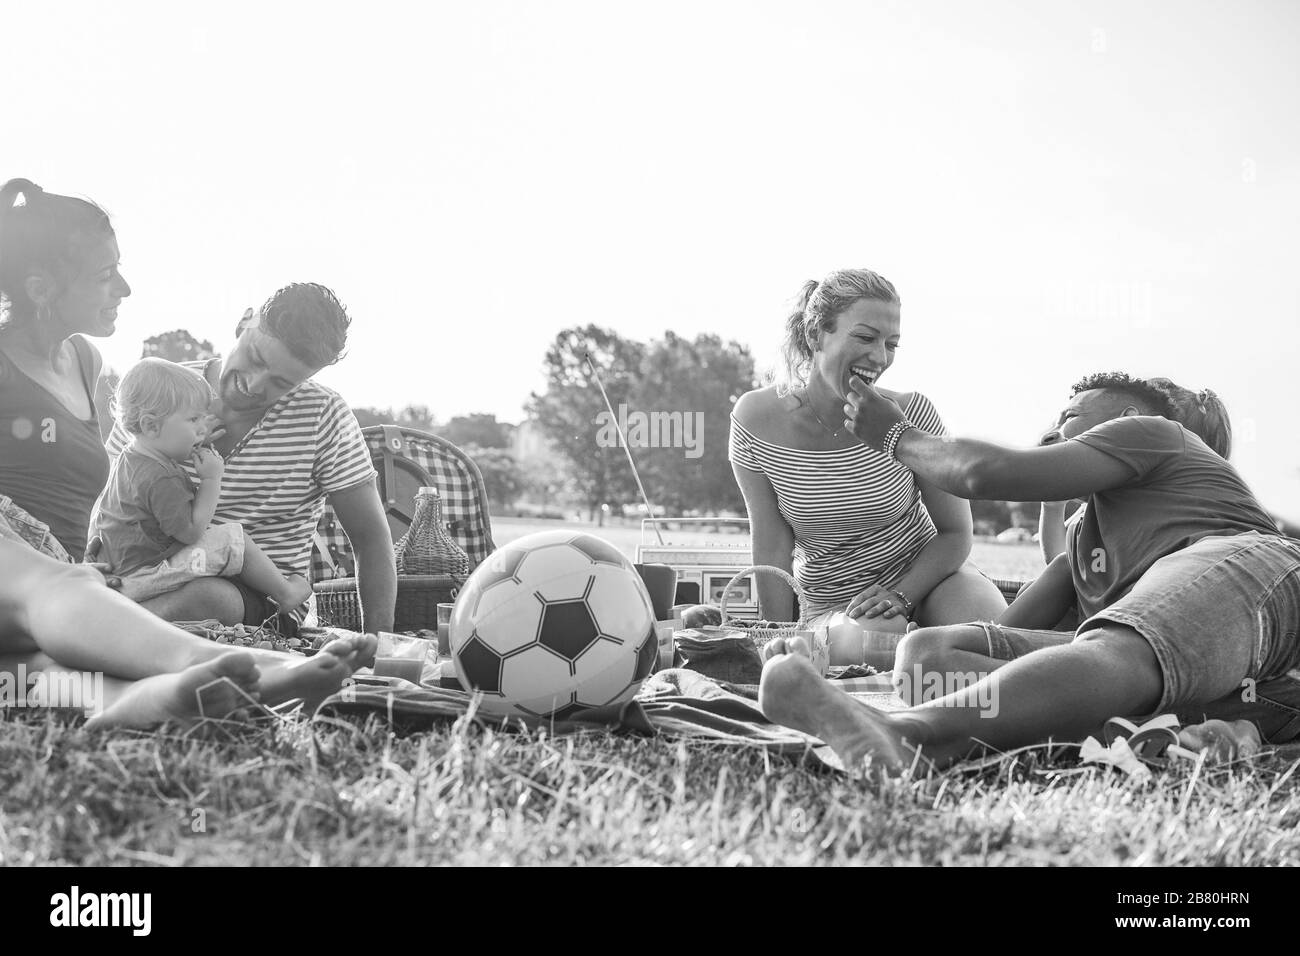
(1017, 561)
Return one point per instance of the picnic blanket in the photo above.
(676, 702)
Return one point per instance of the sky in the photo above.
(1054, 188)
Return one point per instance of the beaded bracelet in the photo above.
(890, 445)
(908, 606)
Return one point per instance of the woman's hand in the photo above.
(869, 415)
(876, 601)
(91, 559)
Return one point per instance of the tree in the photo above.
(547, 479)
(177, 346)
(686, 391)
(569, 411)
(502, 476)
(990, 517)
(479, 430)
(412, 416)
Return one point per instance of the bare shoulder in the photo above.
(756, 409)
(901, 399)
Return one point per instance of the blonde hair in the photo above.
(816, 308)
(160, 388)
(1202, 413)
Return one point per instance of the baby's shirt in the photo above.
(148, 499)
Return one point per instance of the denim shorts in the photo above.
(1222, 617)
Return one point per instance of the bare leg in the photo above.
(940, 654)
(199, 600)
(260, 572)
(965, 595)
(198, 691)
(67, 612)
(1060, 692)
(212, 690)
(83, 625)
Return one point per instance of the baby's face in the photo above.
(180, 432)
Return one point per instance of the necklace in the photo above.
(813, 408)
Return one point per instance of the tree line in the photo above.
(671, 397)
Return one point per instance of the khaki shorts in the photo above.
(218, 554)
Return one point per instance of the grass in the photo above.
(355, 793)
(462, 794)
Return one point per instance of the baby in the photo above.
(156, 528)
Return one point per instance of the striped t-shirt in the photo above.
(308, 445)
(857, 516)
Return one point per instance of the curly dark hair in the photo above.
(310, 320)
(1148, 397)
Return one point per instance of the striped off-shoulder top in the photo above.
(857, 516)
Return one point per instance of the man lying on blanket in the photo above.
(1188, 593)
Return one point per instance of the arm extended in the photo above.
(976, 469)
(362, 515)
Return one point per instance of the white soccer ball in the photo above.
(553, 623)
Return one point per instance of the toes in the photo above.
(237, 665)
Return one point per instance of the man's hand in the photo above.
(876, 601)
(868, 414)
(208, 464)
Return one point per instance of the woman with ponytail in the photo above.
(1202, 413)
(59, 285)
(861, 532)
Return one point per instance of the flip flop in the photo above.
(1149, 742)
(256, 707)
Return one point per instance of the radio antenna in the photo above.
(626, 448)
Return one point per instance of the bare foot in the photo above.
(295, 591)
(215, 689)
(783, 645)
(792, 693)
(1225, 741)
(312, 679)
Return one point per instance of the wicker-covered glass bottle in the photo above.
(427, 548)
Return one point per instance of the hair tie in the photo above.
(1201, 398)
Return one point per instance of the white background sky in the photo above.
(1055, 188)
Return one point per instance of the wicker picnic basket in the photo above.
(418, 595)
(761, 632)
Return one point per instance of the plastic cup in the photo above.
(664, 634)
(401, 656)
(444, 628)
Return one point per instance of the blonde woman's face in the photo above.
(863, 343)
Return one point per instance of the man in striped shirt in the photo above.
(289, 445)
